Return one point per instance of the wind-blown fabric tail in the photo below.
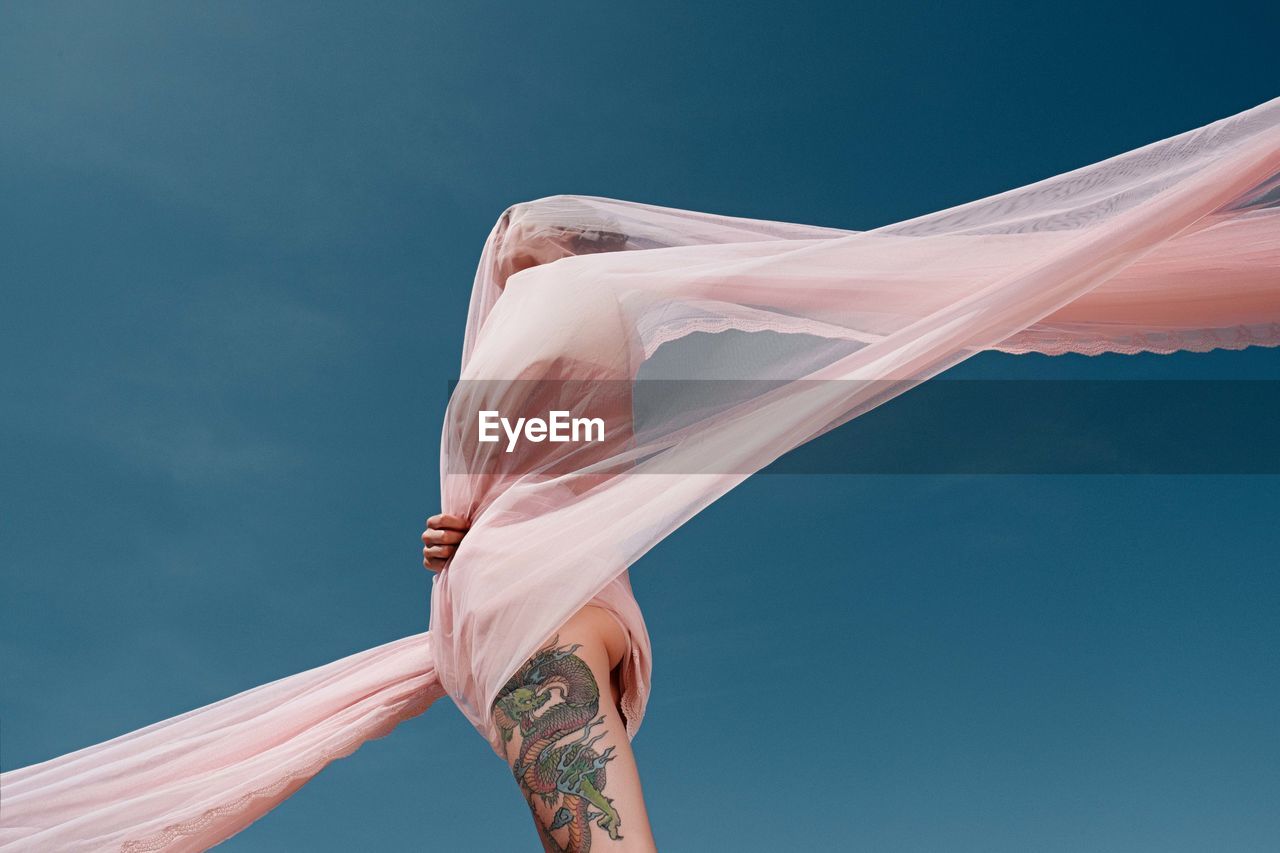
(191, 781)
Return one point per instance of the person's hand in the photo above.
(441, 539)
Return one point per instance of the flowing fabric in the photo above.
(577, 301)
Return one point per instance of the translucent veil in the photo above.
(759, 336)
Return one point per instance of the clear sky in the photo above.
(238, 241)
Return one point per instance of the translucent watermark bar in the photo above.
(943, 426)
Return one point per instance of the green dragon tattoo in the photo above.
(558, 762)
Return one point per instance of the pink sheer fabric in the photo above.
(193, 780)
(1173, 246)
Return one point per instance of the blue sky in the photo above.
(239, 241)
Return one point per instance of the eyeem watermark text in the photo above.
(559, 426)
(943, 426)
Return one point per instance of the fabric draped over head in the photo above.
(579, 299)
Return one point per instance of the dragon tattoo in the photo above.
(557, 761)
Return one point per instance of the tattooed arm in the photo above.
(566, 741)
(565, 737)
